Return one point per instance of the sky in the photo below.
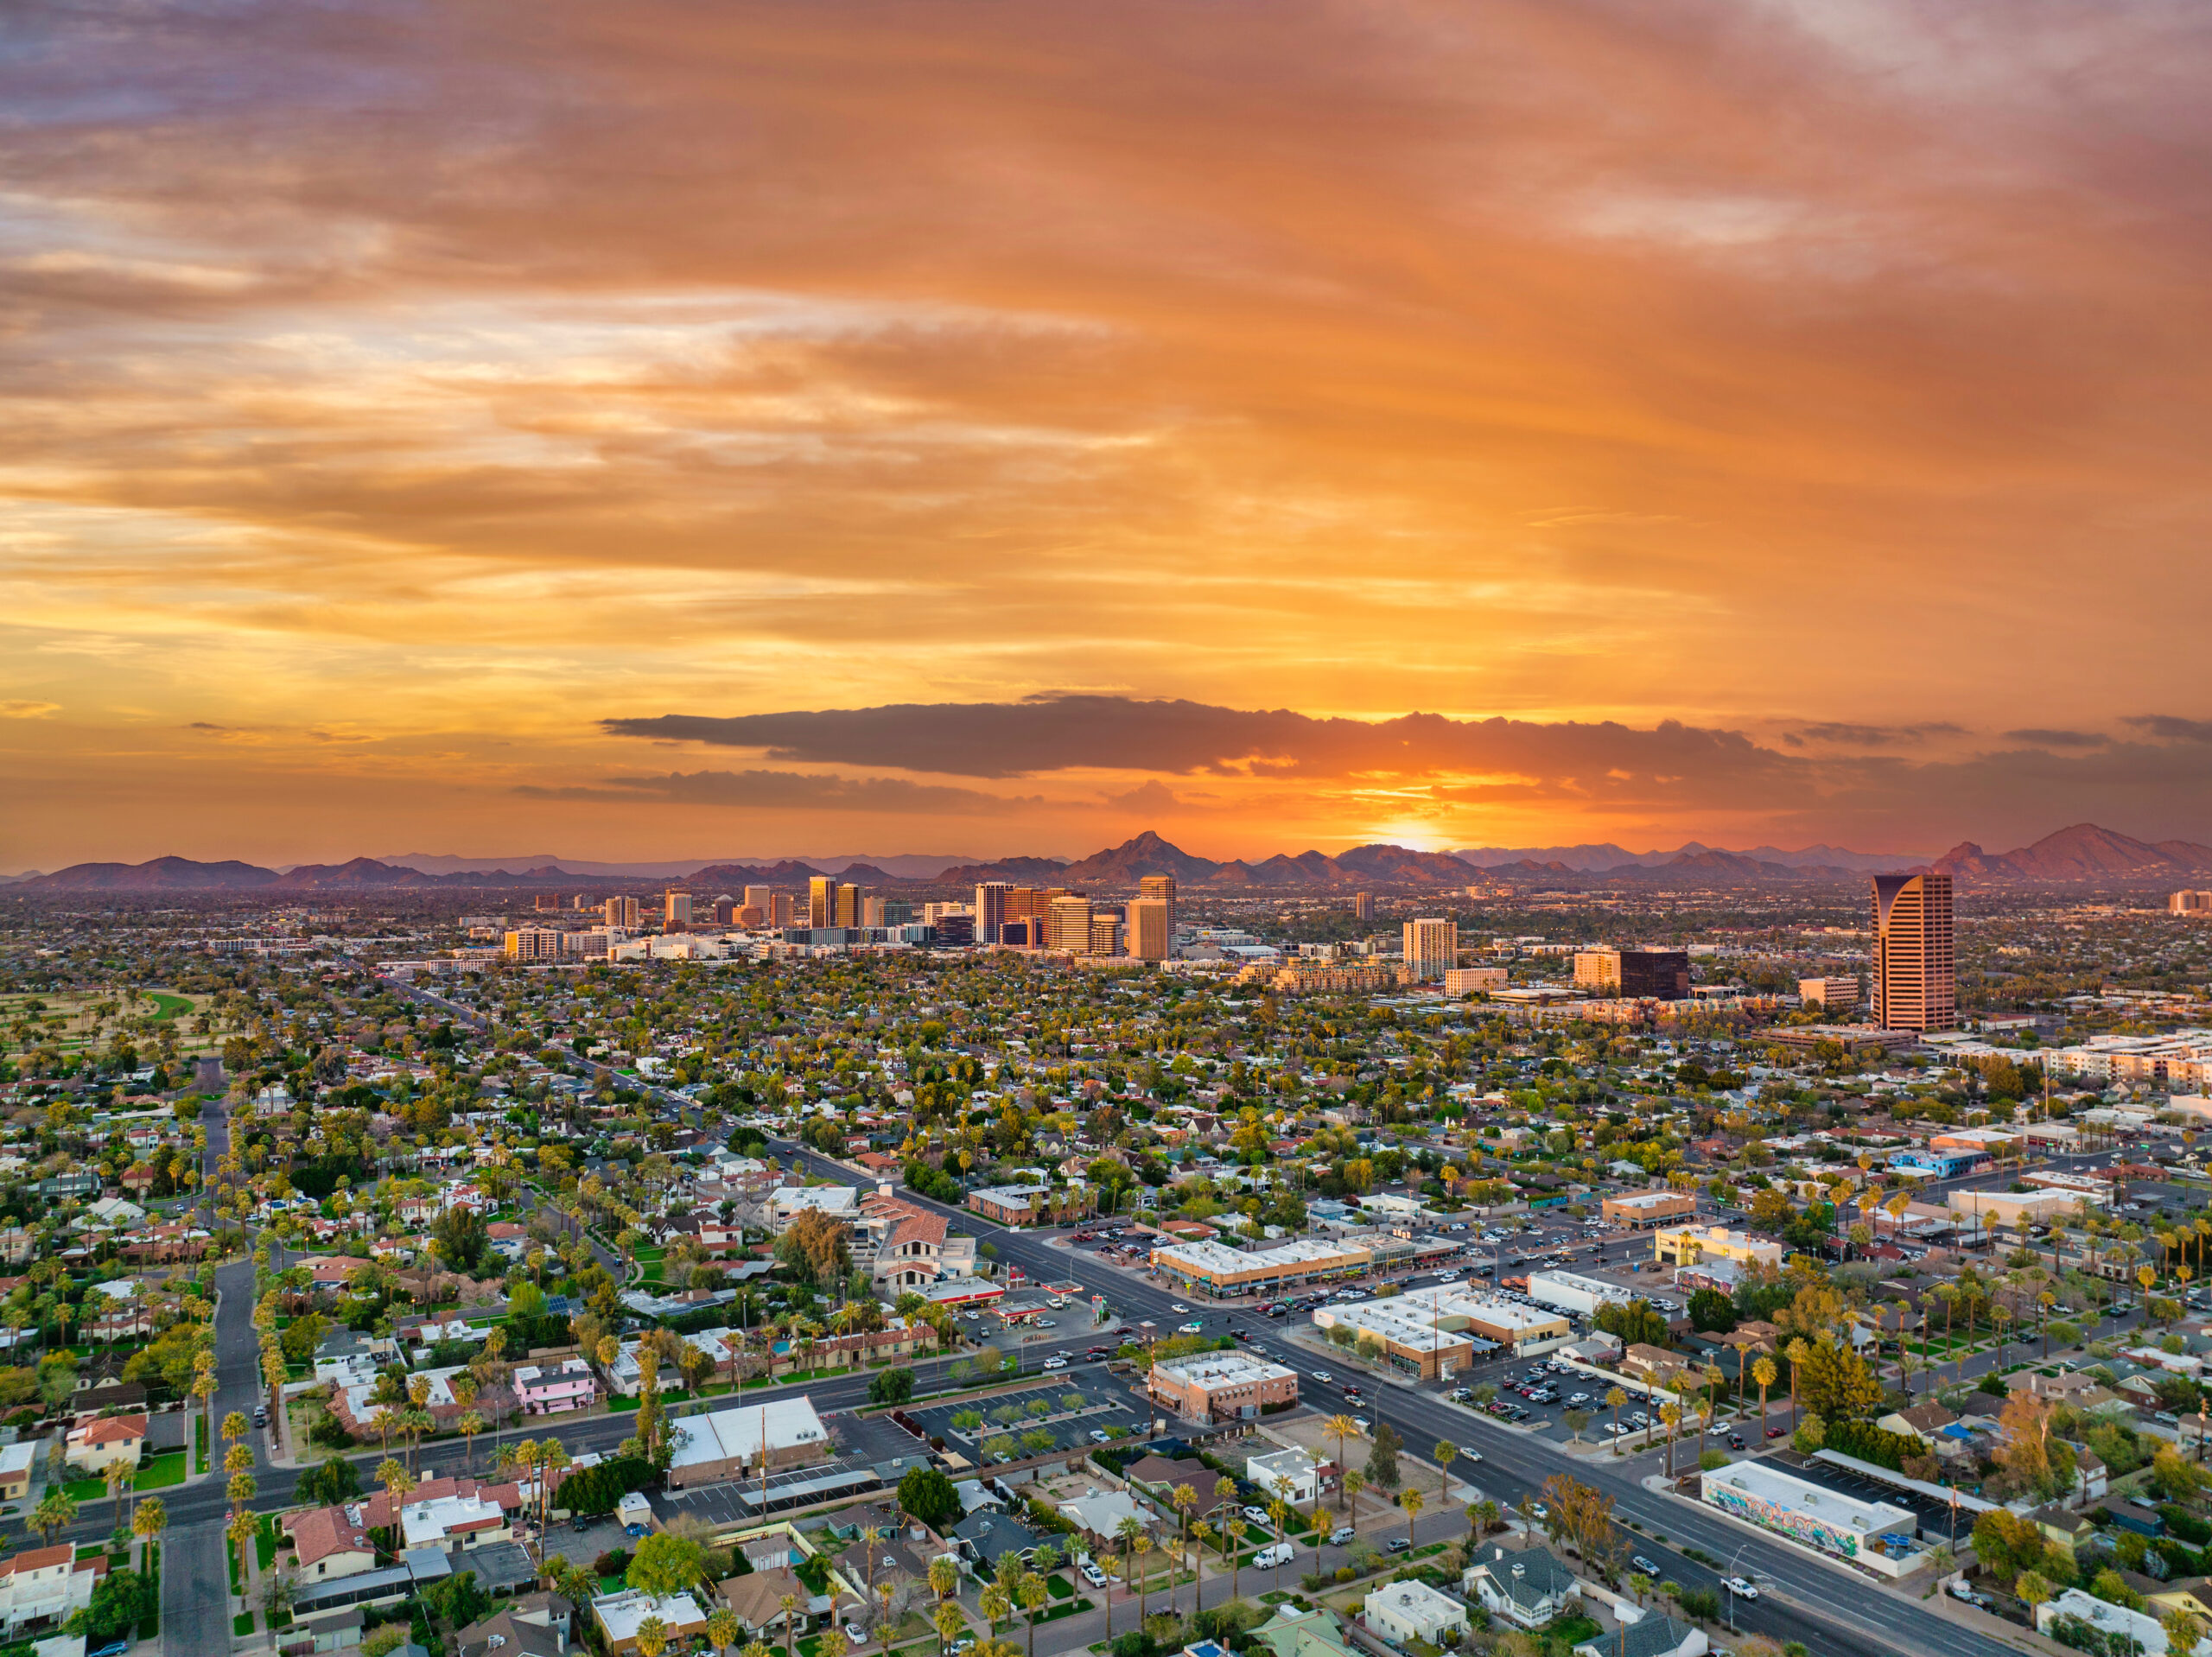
(742, 429)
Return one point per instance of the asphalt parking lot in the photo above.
(582, 1547)
(1104, 1405)
(1935, 1516)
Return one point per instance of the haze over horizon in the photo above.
(665, 430)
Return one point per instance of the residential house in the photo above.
(1293, 1633)
(1525, 1586)
(554, 1391)
(535, 1624)
(2145, 1629)
(1652, 1364)
(1650, 1635)
(620, 1616)
(1098, 1516)
(1923, 1421)
(96, 1444)
(16, 1461)
(981, 1539)
(329, 1542)
(2062, 1529)
(2191, 1594)
(756, 1599)
(1292, 1474)
(1402, 1612)
(42, 1587)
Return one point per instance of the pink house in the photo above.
(553, 1392)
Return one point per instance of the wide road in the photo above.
(1829, 1608)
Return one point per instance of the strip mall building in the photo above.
(1217, 1269)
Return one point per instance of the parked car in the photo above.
(1397, 1545)
(1092, 1574)
(1258, 1516)
(1276, 1553)
(1342, 1534)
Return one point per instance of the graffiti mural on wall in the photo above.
(1799, 1527)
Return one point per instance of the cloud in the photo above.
(1152, 797)
(1058, 733)
(2044, 738)
(786, 791)
(1873, 736)
(2169, 728)
(29, 709)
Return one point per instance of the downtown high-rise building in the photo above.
(990, 911)
(675, 908)
(1161, 887)
(759, 898)
(1151, 931)
(851, 901)
(1914, 981)
(1362, 905)
(1067, 925)
(621, 913)
(822, 901)
(1431, 948)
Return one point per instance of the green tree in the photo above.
(1382, 1460)
(666, 1564)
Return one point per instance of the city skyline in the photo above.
(660, 431)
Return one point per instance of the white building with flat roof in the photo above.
(712, 1448)
(1571, 1291)
(1219, 1269)
(1872, 1534)
(787, 1202)
(1437, 1331)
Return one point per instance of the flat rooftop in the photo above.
(1218, 1259)
(1211, 1369)
(1831, 1507)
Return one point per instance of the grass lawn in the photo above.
(1060, 1587)
(83, 1490)
(265, 1541)
(1075, 1608)
(161, 1471)
(1570, 1631)
(242, 1624)
(200, 1442)
(231, 1558)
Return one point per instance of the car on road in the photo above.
(1056, 1364)
(1742, 1589)
(1397, 1545)
(1322, 1375)
(1342, 1534)
(1177, 1306)
(1471, 1452)
(1194, 1327)
(1645, 1565)
(1774, 1433)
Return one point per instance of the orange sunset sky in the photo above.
(729, 429)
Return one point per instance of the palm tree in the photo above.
(1236, 1528)
(149, 1519)
(1444, 1453)
(1412, 1500)
(652, 1637)
(1614, 1398)
(1671, 1414)
(1183, 1498)
(55, 1512)
(1033, 1593)
(1141, 1545)
(1344, 1427)
(789, 1606)
(950, 1623)
(1202, 1533)
(722, 1629)
(1354, 1483)
(1764, 1372)
(118, 1478)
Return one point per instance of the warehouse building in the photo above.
(1649, 1208)
(1570, 1291)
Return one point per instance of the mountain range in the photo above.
(2084, 851)
(1606, 857)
